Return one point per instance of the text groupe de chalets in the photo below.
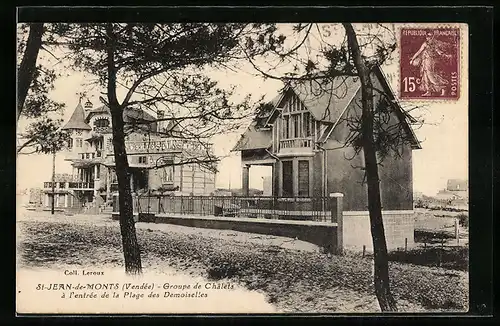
(127, 287)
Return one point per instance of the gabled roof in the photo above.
(403, 115)
(326, 100)
(77, 119)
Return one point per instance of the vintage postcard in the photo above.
(208, 168)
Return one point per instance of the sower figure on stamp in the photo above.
(430, 52)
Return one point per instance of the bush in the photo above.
(463, 220)
(448, 257)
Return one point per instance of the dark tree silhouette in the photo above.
(161, 66)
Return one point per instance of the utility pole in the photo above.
(52, 208)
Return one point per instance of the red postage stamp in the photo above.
(430, 63)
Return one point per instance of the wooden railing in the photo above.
(296, 143)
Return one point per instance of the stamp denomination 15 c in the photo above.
(429, 63)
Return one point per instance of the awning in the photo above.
(56, 191)
(79, 163)
(94, 137)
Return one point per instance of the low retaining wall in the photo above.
(323, 234)
(398, 226)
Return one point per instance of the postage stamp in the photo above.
(429, 63)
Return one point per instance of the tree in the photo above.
(381, 281)
(353, 54)
(27, 68)
(160, 66)
(34, 82)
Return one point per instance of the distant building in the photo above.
(457, 185)
(153, 155)
(456, 190)
(36, 196)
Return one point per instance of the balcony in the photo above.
(69, 185)
(57, 185)
(302, 145)
(81, 185)
(90, 155)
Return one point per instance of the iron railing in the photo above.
(293, 208)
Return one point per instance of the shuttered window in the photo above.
(303, 178)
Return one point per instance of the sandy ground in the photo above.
(300, 297)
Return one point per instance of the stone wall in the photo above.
(320, 233)
(398, 226)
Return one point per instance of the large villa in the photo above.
(152, 155)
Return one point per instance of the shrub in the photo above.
(463, 220)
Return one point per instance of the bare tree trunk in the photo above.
(131, 250)
(52, 206)
(28, 64)
(381, 278)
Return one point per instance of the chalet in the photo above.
(302, 136)
(153, 154)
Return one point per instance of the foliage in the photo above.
(34, 103)
(43, 136)
(164, 68)
(463, 219)
(456, 258)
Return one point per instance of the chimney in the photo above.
(88, 105)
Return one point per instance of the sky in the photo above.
(444, 136)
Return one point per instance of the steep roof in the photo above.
(326, 100)
(254, 138)
(77, 120)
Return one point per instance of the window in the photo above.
(306, 124)
(70, 143)
(98, 171)
(101, 123)
(167, 174)
(296, 120)
(304, 178)
(143, 159)
(286, 126)
(79, 142)
(296, 130)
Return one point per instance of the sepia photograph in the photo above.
(234, 168)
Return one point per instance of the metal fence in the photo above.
(293, 208)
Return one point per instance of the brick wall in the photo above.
(398, 225)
